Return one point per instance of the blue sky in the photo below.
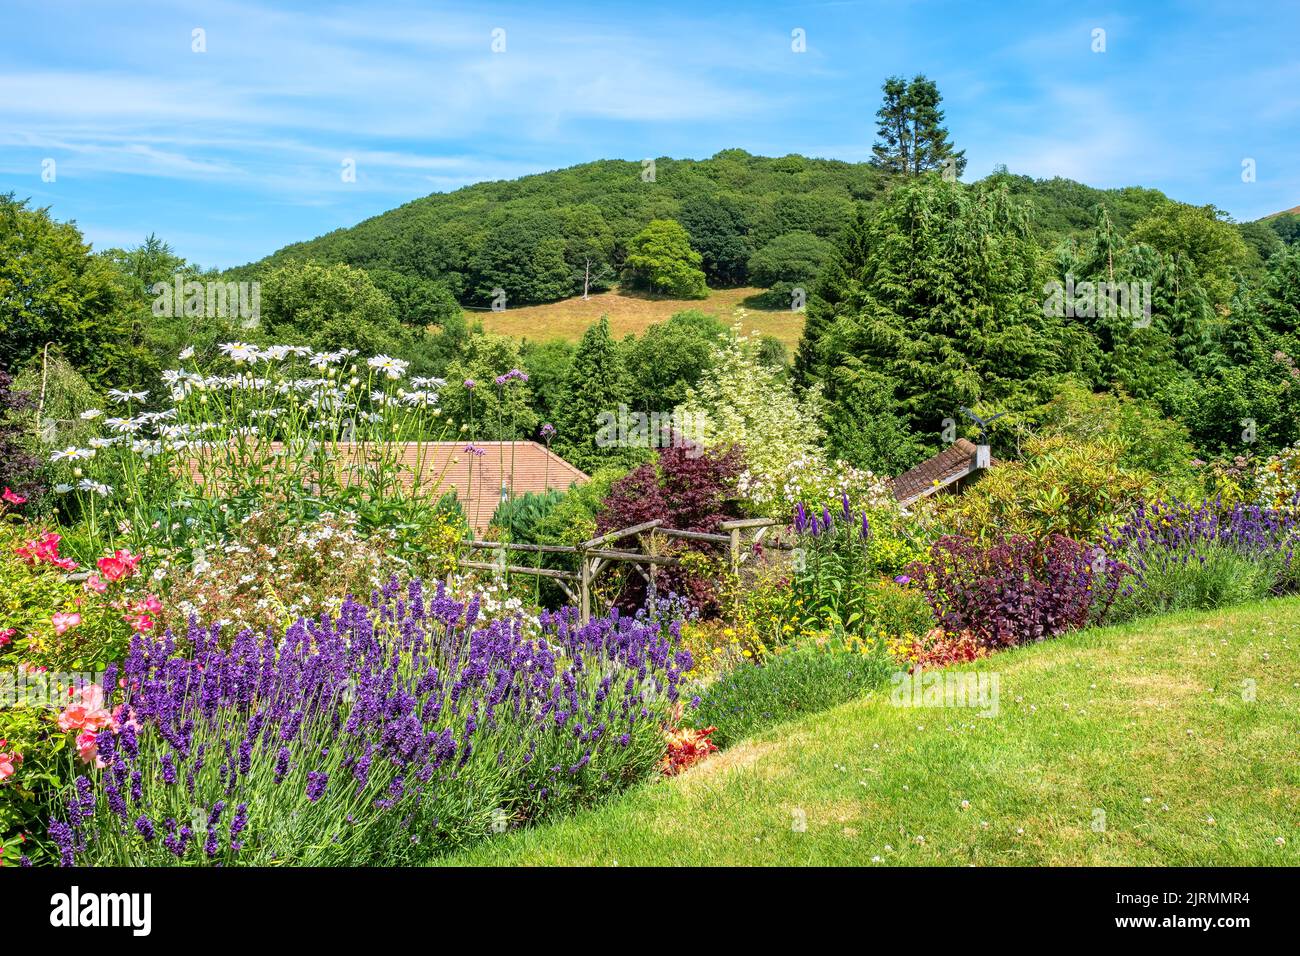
(231, 153)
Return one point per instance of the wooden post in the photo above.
(584, 584)
(653, 549)
(735, 552)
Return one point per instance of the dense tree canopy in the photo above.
(53, 289)
(946, 305)
(331, 307)
(660, 259)
(923, 295)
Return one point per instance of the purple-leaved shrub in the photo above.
(1017, 590)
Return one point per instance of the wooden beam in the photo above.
(694, 535)
(520, 569)
(749, 523)
(636, 557)
(512, 546)
(610, 537)
(584, 585)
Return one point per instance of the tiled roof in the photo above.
(522, 466)
(954, 462)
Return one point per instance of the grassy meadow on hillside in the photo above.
(632, 313)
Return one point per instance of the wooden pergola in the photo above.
(598, 554)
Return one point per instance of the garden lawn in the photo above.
(1148, 722)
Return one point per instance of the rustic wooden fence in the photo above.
(597, 555)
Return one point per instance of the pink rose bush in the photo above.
(10, 760)
(50, 624)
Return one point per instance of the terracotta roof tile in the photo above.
(956, 460)
(521, 466)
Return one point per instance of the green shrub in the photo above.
(1224, 579)
(1062, 486)
(808, 679)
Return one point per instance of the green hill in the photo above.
(540, 236)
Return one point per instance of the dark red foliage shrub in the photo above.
(690, 490)
(1017, 590)
(19, 470)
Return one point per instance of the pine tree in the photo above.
(832, 287)
(912, 137)
(947, 307)
(597, 383)
(893, 151)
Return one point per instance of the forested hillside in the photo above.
(753, 220)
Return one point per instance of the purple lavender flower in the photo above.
(316, 783)
(403, 680)
(144, 826)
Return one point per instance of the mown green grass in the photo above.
(1149, 721)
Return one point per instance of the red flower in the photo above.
(44, 550)
(118, 565)
(686, 746)
(12, 497)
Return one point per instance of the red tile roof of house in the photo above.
(952, 464)
(522, 466)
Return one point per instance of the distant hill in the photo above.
(1293, 211)
(540, 236)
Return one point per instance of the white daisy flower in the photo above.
(72, 453)
(90, 414)
(393, 368)
(187, 353)
(240, 351)
(97, 487)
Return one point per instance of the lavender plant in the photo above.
(1196, 557)
(840, 552)
(381, 736)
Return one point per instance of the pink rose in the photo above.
(92, 695)
(9, 764)
(118, 565)
(88, 748)
(65, 620)
(73, 718)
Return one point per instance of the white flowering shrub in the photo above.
(269, 574)
(742, 401)
(813, 481)
(1277, 479)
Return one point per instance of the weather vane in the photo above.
(983, 423)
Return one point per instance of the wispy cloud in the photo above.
(149, 135)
